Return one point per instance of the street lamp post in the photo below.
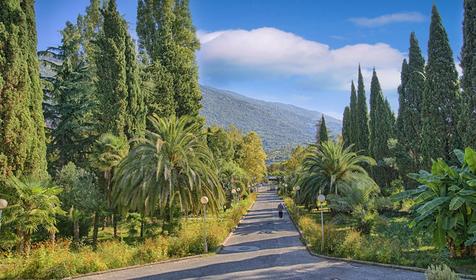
(320, 201)
(204, 201)
(3, 205)
(233, 193)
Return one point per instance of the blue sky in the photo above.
(302, 52)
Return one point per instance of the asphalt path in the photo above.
(262, 247)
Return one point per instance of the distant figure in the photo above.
(280, 210)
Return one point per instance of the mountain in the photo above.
(281, 126)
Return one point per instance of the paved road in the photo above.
(262, 247)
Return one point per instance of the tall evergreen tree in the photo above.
(121, 104)
(402, 158)
(353, 115)
(187, 89)
(467, 123)
(381, 126)
(409, 122)
(321, 131)
(362, 126)
(22, 135)
(69, 101)
(441, 98)
(346, 126)
(167, 35)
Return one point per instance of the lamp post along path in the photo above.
(204, 201)
(320, 201)
(3, 205)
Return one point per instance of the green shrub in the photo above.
(152, 250)
(351, 245)
(440, 272)
(115, 254)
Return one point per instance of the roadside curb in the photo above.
(136, 266)
(409, 268)
(165, 261)
(218, 250)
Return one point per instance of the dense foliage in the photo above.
(109, 172)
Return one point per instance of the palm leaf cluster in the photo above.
(171, 165)
(332, 168)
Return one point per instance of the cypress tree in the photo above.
(402, 158)
(187, 90)
(121, 104)
(362, 127)
(467, 123)
(22, 135)
(381, 126)
(321, 135)
(353, 129)
(167, 35)
(346, 126)
(441, 97)
(409, 120)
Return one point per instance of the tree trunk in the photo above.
(26, 243)
(95, 229)
(76, 231)
(114, 224)
(20, 242)
(53, 237)
(142, 224)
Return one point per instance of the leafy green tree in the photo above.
(22, 133)
(441, 98)
(331, 168)
(361, 128)
(34, 205)
(346, 126)
(171, 166)
(445, 203)
(69, 101)
(254, 157)
(381, 126)
(467, 123)
(80, 196)
(220, 144)
(121, 103)
(321, 135)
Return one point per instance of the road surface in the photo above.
(262, 247)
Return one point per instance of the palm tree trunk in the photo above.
(26, 243)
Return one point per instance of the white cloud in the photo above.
(388, 19)
(270, 51)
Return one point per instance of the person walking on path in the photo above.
(280, 210)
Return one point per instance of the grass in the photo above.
(390, 241)
(60, 260)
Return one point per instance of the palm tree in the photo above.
(108, 152)
(172, 164)
(330, 167)
(35, 204)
